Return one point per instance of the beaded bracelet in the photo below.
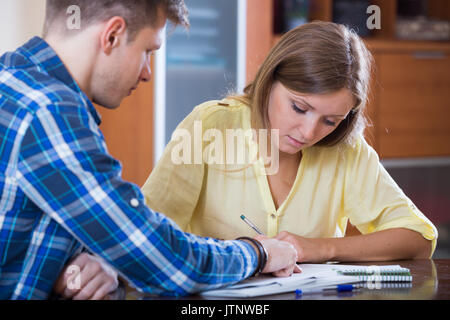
(262, 254)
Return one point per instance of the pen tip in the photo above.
(242, 217)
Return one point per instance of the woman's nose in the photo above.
(308, 130)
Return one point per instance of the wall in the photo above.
(19, 21)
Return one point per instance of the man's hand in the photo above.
(86, 278)
(281, 259)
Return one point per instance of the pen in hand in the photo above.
(254, 227)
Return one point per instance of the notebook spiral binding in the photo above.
(382, 276)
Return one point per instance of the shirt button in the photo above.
(134, 203)
(273, 216)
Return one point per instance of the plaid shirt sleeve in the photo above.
(65, 169)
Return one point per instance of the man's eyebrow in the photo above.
(310, 106)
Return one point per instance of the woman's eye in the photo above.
(297, 109)
(330, 123)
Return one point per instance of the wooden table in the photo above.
(431, 281)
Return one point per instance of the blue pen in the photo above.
(338, 288)
(251, 225)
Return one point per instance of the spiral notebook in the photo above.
(394, 273)
(389, 273)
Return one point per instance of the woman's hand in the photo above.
(308, 250)
(86, 278)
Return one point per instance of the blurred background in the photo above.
(409, 105)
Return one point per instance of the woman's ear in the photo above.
(113, 34)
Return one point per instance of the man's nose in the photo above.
(146, 72)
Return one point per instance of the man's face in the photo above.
(128, 64)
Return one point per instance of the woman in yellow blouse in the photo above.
(309, 95)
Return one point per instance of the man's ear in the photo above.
(114, 32)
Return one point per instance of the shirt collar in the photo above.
(38, 51)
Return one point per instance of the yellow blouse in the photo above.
(333, 185)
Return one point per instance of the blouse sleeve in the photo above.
(173, 187)
(374, 202)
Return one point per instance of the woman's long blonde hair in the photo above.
(315, 58)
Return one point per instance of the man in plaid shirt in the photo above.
(60, 189)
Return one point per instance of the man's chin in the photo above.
(107, 104)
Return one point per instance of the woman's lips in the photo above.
(295, 142)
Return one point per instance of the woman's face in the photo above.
(305, 119)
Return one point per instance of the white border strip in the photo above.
(416, 162)
(159, 101)
(241, 46)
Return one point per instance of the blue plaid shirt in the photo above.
(61, 191)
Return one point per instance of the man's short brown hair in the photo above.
(136, 13)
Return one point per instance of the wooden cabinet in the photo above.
(411, 106)
(259, 34)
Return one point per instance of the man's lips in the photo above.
(131, 90)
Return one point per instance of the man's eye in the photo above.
(297, 109)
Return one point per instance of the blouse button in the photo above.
(273, 216)
(134, 203)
